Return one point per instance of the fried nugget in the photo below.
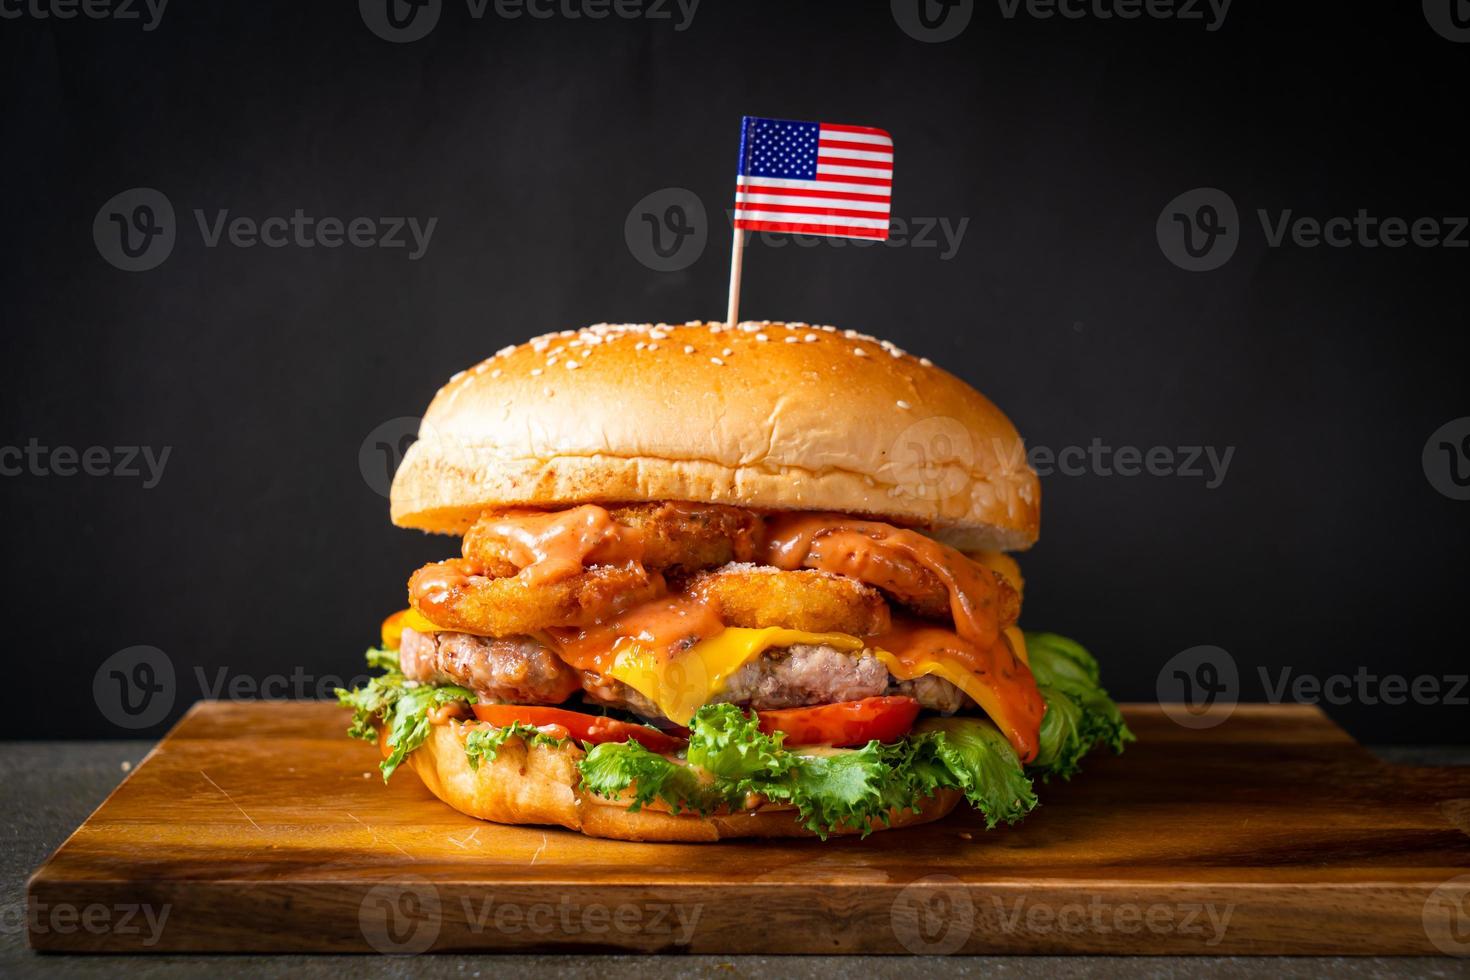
(669, 536)
(457, 595)
(816, 602)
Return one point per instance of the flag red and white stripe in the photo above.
(814, 179)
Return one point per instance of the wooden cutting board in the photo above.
(261, 827)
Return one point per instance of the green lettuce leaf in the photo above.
(855, 787)
(612, 768)
(983, 765)
(483, 744)
(401, 704)
(728, 743)
(1079, 714)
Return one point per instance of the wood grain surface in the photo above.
(261, 827)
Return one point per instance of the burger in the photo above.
(723, 581)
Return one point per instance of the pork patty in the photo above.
(520, 670)
(515, 669)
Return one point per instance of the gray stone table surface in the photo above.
(49, 788)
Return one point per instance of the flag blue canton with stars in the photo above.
(779, 148)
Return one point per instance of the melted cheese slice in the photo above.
(683, 683)
(957, 673)
(410, 618)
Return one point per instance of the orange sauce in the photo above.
(886, 557)
(547, 546)
(1009, 694)
(434, 585)
(667, 625)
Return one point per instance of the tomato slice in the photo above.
(583, 727)
(844, 723)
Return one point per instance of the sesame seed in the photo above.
(457, 376)
(762, 337)
(658, 335)
(653, 346)
(716, 360)
(688, 349)
(495, 373)
(810, 338)
(572, 365)
(505, 350)
(793, 340)
(926, 362)
(535, 372)
(726, 352)
(903, 404)
(551, 361)
(860, 352)
(640, 345)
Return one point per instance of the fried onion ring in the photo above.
(457, 595)
(672, 536)
(815, 602)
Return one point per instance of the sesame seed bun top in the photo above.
(773, 416)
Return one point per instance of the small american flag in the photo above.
(814, 178)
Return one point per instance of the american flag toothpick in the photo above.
(809, 178)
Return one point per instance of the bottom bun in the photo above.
(538, 784)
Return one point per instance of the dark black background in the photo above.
(264, 550)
